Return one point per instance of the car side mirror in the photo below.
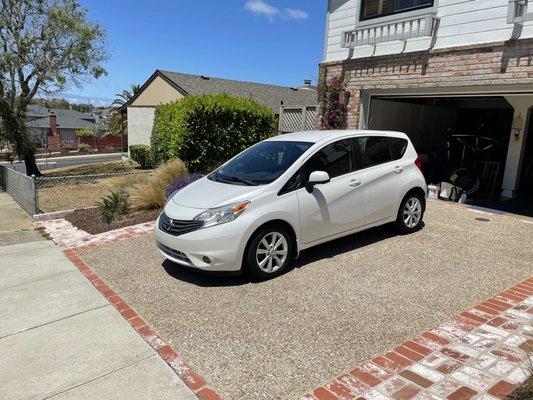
(317, 178)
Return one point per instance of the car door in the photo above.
(336, 206)
(381, 175)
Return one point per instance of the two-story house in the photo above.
(436, 69)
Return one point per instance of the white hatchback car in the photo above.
(291, 192)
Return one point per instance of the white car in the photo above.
(291, 192)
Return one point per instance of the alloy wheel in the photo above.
(272, 252)
(412, 212)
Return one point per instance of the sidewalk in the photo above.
(59, 337)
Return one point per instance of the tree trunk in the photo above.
(16, 133)
(31, 165)
(24, 146)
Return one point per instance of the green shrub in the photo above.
(142, 155)
(114, 206)
(85, 148)
(208, 129)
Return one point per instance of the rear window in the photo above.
(373, 150)
(398, 146)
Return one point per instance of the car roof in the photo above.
(318, 136)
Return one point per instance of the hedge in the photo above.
(208, 129)
(142, 155)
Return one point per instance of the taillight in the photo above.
(418, 162)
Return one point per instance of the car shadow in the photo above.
(346, 244)
(317, 253)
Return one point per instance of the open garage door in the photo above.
(452, 133)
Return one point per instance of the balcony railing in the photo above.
(518, 12)
(425, 26)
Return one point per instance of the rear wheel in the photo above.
(411, 213)
(269, 253)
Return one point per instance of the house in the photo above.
(52, 126)
(435, 68)
(164, 87)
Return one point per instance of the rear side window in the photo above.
(398, 146)
(336, 159)
(373, 150)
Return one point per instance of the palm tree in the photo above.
(117, 123)
(125, 96)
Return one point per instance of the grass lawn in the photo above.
(108, 167)
(73, 193)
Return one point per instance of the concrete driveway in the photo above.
(344, 303)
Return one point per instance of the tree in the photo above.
(96, 132)
(45, 45)
(125, 96)
(117, 122)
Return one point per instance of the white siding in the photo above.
(140, 123)
(462, 22)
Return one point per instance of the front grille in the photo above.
(177, 227)
(174, 253)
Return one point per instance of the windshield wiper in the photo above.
(237, 179)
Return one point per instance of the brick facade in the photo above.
(505, 63)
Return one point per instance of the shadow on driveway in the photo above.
(317, 253)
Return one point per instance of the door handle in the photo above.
(355, 182)
(398, 169)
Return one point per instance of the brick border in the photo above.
(67, 236)
(474, 354)
(194, 381)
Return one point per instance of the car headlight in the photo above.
(221, 215)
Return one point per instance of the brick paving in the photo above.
(479, 354)
(67, 236)
(194, 381)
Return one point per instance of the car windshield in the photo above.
(261, 164)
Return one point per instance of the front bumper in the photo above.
(223, 245)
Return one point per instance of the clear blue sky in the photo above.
(270, 41)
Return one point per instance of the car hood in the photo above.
(205, 193)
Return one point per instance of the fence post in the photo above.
(280, 121)
(304, 112)
(3, 178)
(34, 195)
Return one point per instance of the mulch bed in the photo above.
(89, 220)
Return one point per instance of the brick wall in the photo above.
(509, 63)
(107, 142)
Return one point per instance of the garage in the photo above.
(474, 142)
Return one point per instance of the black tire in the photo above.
(401, 222)
(252, 258)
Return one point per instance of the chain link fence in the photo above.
(21, 188)
(61, 193)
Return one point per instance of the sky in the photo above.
(269, 41)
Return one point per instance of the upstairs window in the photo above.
(380, 8)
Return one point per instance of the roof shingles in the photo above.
(271, 96)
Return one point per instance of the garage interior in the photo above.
(460, 132)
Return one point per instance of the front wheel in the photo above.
(269, 253)
(411, 213)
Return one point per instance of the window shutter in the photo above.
(375, 7)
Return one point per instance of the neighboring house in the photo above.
(164, 87)
(428, 67)
(52, 126)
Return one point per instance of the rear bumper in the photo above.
(222, 245)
